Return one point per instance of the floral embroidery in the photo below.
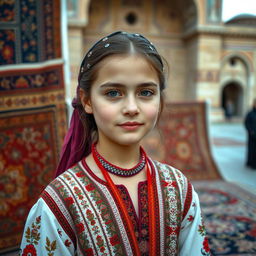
(172, 231)
(100, 243)
(29, 250)
(130, 208)
(79, 193)
(67, 243)
(206, 249)
(92, 214)
(172, 207)
(50, 247)
(144, 221)
(90, 217)
(165, 184)
(201, 230)
(90, 187)
(206, 245)
(32, 235)
(80, 228)
(80, 174)
(59, 232)
(171, 183)
(114, 240)
(88, 252)
(174, 184)
(190, 218)
(69, 201)
(88, 194)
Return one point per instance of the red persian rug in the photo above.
(230, 217)
(182, 141)
(29, 143)
(32, 108)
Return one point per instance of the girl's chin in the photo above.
(128, 142)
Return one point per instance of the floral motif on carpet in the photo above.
(182, 141)
(29, 31)
(31, 80)
(230, 217)
(29, 143)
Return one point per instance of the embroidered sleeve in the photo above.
(192, 239)
(43, 235)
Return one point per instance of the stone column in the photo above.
(208, 72)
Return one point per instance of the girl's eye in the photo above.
(113, 93)
(146, 93)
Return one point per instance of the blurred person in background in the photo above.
(229, 110)
(250, 125)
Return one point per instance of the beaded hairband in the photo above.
(106, 45)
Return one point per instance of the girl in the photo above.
(109, 197)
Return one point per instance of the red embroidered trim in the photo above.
(59, 215)
(130, 207)
(156, 209)
(143, 214)
(188, 200)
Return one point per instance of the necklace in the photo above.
(153, 242)
(118, 170)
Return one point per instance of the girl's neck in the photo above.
(120, 155)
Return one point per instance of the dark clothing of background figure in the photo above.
(250, 124)
(229, 110)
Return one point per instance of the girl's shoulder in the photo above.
(70, 172)
(64, 179)
(168, 173)
(167, 169)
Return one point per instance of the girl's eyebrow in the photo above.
(119, 85)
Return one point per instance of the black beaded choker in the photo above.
(118, 170)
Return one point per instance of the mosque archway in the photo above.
(234, 84)
(232, 99)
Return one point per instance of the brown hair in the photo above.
(115, 43)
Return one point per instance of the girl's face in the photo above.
(124, 99)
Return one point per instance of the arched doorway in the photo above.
(232, 99)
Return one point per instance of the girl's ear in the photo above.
(86, 102)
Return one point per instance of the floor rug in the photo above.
(29, 144)
(230, 217)
(182, 141)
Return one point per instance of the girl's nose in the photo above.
(131, 106)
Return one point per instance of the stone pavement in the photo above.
(228, 143)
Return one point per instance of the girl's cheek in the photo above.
(152, 112)
(105, 112)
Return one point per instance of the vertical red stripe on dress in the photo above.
(188, 200)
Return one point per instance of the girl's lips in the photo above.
(130, 125)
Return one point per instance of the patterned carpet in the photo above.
(30, 31)
(32, 108)
(181, 140)
(230, 217)
(30, 142)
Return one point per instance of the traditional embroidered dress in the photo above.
(78, 215)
